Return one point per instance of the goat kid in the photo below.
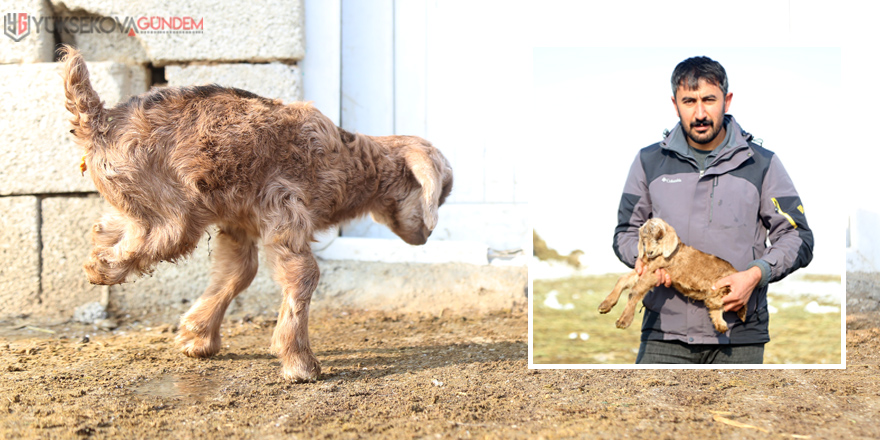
(173, 161)
(692, 272)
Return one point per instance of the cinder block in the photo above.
(66, 228)
(38, 153)
(250, 31)
(35, 44)
(116, 45)
(273, 80)
(19, 256)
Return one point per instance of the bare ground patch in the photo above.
(406, 375)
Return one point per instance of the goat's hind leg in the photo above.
(637, 293)
(125, 245)
(298, 274)
(716, 310)
(116, 239)
(625, 282)
(715, 305)
(234, 268)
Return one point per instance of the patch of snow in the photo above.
(553, 302)
(814, 307)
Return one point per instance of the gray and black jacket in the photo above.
(730, 209)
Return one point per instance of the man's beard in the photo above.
(703, 138)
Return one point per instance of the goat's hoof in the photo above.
(605, 308)
(721, 328)
(101, 272)
(303, 368)
(623, 323)
(95, 274)
(193, 345)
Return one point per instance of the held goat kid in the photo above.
(692, 273)
(173, 161)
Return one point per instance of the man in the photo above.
(723, 193)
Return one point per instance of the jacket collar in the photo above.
(726, 158)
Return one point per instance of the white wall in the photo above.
(429, 69)
(321, 65)
(863, 252)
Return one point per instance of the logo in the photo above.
(665, 180)
(18, 25)
(15, 25)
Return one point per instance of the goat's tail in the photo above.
(88, 110)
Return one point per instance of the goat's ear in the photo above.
(669, 242)
(422, 166)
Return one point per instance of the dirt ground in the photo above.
(408, 376)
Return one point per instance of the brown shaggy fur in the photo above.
(173, 161)
(692, 273)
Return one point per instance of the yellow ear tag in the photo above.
(82, 165)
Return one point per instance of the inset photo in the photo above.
(679, 221)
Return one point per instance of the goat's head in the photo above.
(657, 238)
(410, 208)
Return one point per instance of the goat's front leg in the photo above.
(234, 268)
(625, 282)
(298, 274)
(641, 288)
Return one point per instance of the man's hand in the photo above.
(662, 277)
(741, 286)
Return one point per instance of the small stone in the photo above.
(107, 324)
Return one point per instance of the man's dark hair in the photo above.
(689, 72)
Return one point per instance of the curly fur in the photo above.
(173, 161)
(692, 272)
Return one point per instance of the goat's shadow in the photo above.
(380, 362)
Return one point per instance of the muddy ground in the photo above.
(410, 376)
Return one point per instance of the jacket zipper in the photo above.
(712, 199)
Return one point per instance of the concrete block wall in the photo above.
(48, 206)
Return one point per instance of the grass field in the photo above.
(578, 334)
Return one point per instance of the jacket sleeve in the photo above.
(634, 210)
(791, 240)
